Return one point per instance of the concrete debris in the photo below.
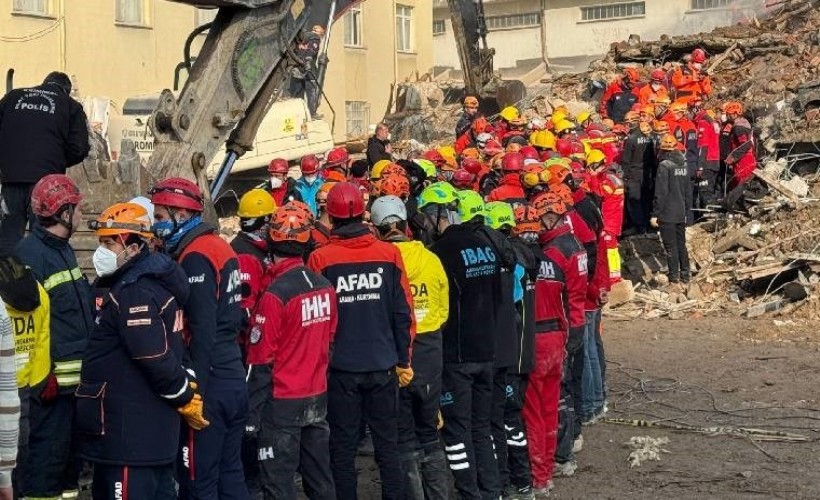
(645, 448)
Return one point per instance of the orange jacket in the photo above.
(648, 95)
(689, 84)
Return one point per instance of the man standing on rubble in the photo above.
(42, 131)
(673, 198)
(691, 81)
(303, 77)
(741, 158)
(378, 146)
(470, 113)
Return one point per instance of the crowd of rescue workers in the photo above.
(442, 308)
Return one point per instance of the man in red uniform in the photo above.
(656, 90)
(708, 159)
(291, 334)
(691, 80)
(741, 158)
(620, 95)
(281, 187)
(607, 185)
(510, 188)
(469, 137)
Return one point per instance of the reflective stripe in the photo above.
(455, 447)
(465, 465)
(67, 366)
(178, 394)
(61, 277)
(614, 261)
(71, 494)
(66, 380)
(457, 456)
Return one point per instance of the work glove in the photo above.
(50, 389)
(192, 413)
(405, 375)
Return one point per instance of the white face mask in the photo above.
(276, 182)
(105, 261)
(697, 66)
(656, 86)
(310, 178)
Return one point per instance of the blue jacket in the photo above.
(132, 376)
(54, 265)
(308, 191)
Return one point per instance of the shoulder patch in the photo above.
(137, 309)
(138, 322)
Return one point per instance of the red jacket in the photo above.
(292, 329)
(610, 189)
(708, 138)
(253, 261)
(742, 151)
(682, 129)
(509, 190)
(561, 247)
(464, 141)
(551, 297)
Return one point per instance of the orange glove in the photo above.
(192, 413)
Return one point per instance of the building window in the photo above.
(205, 16)
(404, 28)
(353, 28)
(131, 12)
(614, 11)
(709, 4)
(530, 19)
(356, 112)
(36, 7)
(439, 27)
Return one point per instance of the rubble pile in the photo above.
(772, 66)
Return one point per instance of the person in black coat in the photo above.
(378, 146)
(42, 131)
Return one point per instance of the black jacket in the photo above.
(132, 378)
(376, 150)
(42, 131)
(53, 263)
(470, 260)
(528, 258)
(213, 316)
(673, 189)
(620, 103)
(638, 157)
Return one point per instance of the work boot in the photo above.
(513, 493)
(564, 469)
(412, 477)
(542, 492)
(435, 476)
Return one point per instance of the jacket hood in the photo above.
(161, 268)
(414, 256)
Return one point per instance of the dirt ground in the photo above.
(705, 373)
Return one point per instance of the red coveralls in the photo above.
(560, 292)
(742, 155)
(510, 189)
(610, 189)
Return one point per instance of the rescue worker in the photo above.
(501, 124)
(310, 182)
(133, 376)
(371, 353)
(303, 77)
(52, 468)
(281, 187)
(42, 131)
(28, 308)
(708, 160)
(741, 158)
(620, 95)
(509, 432)
(656, 90)
(469, 139)
(210, 458)
(673, 197)
(292, 331)
(510, 188)
(424, 465)
(470, 105)
(378, 145)
(336, 165)
(638, 163)
(691, 80)
(470, 260)
(322, 227)
(609, 188)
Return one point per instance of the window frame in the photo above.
(360, 116)
(442, 23)
(612, 12)
(523, 20)
(145, 18)
(406, 20)
(47, 12)
(353, 19)
(724, 4)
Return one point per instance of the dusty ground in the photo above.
(706, 373)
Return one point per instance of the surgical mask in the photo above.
(724, 118)
(105, 261)
(276, 182)
(656, 86)
(311, 178)
(697, 66)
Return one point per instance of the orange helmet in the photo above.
(660, 126)
(527, 220)
(647, 110)
(122, 218)
(558, 172)
(632, 75)
(733, 108)
(564, 193)
(549, 202)
(393, 169)
(471, 153)
(292, 222)
(480, 125)
(669, 143)
(396, 185)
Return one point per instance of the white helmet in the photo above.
(387, 210)
(481, 139)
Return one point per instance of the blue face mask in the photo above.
(172, 231)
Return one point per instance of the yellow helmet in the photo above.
(256, 203)
(560, 113)
(509, 113)
(583, 116)
(376, 171)
(449, 154)
(595, 156)
(543, 139)
(563, 126)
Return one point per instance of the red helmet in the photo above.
(178, 193)
(529, 153)
(52, 193)
(344, 201)
(462, 179)
(493, 147)
(309, 164)
(698, 56)
(435, 157)
(337, 157)
(577, 148)
(278, 166)
(658, 75)
(563, 147)
(471, 165)
(512, 162)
